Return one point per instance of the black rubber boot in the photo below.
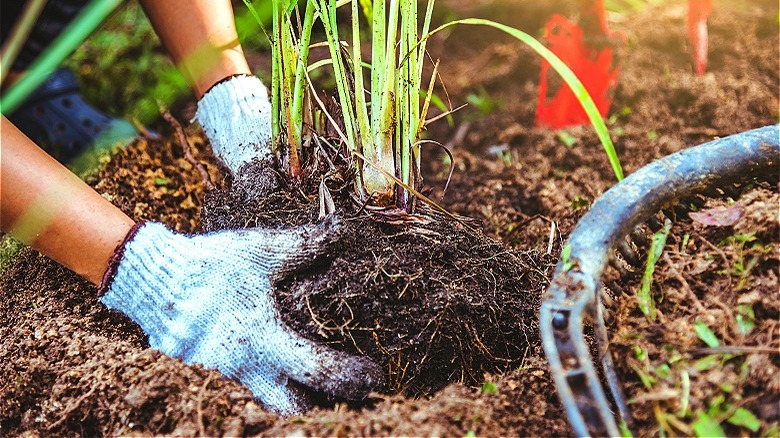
(57, 118)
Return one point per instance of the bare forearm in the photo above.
(46, 206)
(201, 37)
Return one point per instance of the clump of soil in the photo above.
(433, 302)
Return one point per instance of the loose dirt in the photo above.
(70, 367)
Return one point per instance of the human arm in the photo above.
(201, 37)
(49, 208)
(234, 109)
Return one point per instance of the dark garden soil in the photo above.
(449, 313)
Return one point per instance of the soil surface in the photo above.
(70, 367)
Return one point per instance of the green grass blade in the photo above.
(77, 31)
(566, 74)
(425, 29)
(276, 83)
(704, 333)
(251, 7)
(644, 296)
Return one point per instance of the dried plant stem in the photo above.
(185, 145)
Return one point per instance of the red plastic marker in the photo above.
(588, 50)
(698, 10)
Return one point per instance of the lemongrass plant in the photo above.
(384, 116)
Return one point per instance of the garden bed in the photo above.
(70, 367)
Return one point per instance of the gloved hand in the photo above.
(208, 299)
(236, 116)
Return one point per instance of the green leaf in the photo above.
(644, 296)
(663, 370)
(745, 238)
(771, 431)
(685, 397)
(708, 362)
(483, 101)
(744, 418)
(647, 380)
(684, 244)
(252, 9)
(625, 432)
(489, 388)
(706, 426)
(567, 139)
(579, 202)
(718, 406)
(368, 11)
(565, 254)
(746, 318)
(161, 181)
(706, 335)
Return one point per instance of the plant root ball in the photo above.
(432, 303)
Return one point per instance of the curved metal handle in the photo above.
(573, 293)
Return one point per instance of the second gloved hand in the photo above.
(236, 116)
(208, 299)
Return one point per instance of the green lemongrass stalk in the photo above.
(377, 59)
(276, 127)
(361, 108)
(384, 129)
(381, 151)
(288, 89)
(299, 88)
(289, 68)
(408, 107)
(566, 74)
(327, 12)
(365, 135)
(386, 135)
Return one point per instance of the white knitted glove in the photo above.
(236, 116)
(208, 299)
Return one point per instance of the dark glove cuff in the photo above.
(113, 262)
